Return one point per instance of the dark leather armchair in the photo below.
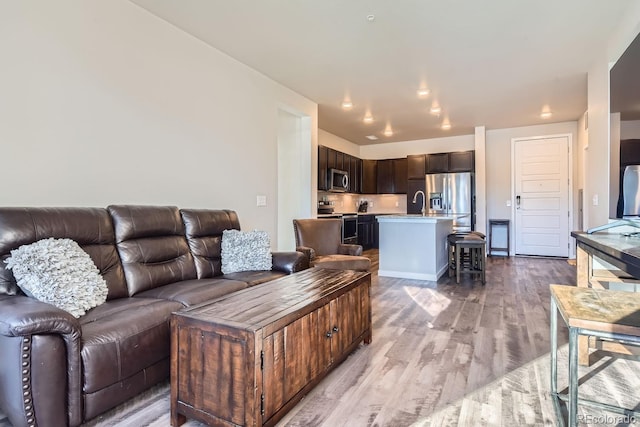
(320, 240)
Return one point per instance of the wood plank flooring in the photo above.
(444, 355)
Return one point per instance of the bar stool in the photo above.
(467, 254)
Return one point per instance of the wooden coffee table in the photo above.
(247, 358)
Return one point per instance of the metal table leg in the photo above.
(573, 377)
(554, 362)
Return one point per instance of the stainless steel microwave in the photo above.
(338, 180)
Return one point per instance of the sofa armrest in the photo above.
(289, 262)
(48, 340)
(23, 316)
(308, 252)
(346, 249)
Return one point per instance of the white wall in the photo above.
(597, 155)
(340, 144)
(392, 150)
(102, 102)
(580, 171)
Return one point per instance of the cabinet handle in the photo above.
(329, 334)
(335, 329)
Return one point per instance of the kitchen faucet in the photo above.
(415, 197)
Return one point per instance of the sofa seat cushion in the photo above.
(122, 337)
(195, 291)
(253, 278)
(342, 262)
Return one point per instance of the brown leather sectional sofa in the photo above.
(59, 370)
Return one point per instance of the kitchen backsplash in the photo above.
(377, 203)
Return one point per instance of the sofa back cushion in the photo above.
(91, 228)
(203, 228)
(152, 246)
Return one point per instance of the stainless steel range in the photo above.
(349, 225)
(350, 228)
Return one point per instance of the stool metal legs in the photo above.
(571, 397)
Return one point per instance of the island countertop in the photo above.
(417, 218)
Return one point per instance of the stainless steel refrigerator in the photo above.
(452, 194)
(631, 191)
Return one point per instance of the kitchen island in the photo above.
(414, 246)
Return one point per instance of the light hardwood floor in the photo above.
(443, 355)
(464, 355)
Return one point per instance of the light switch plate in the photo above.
(261, 200)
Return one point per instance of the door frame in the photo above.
(569, 136)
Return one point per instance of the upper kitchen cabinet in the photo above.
(438, 163)
(335, 159)
(457, 161)
(369, 184)
(400, 176)
(323, 166)
(392, 176)
(351, 165)
(385, 176)
(355, 174)
(462, 161)
(416, 166)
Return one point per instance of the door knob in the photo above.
(517, 202)
(335, 329)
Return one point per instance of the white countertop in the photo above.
(417, 218)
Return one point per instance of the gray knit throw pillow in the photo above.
(58, 272)
(245, 251)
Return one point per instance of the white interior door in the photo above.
(542, 196)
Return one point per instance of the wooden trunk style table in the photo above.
(247, 358)
(612, 315)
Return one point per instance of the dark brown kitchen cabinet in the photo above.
(456, 161)
(366, 232)
(416, 166)
(438, 163)
(340, 161)
(355, 174)
(332, 159)
(323, 153)
(369, 183)
(385, 176)
(461, 161)
(414, 185)
(400, 176)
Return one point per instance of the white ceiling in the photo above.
(493, 63)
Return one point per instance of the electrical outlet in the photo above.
(261, 200)
(370, 204)
(397, 204)
(508, 202)
(595, 200)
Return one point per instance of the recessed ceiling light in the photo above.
(388, 132)
(347, 105)
(436, 109)
(545, 114)
(423, 93)
(368, 119)
(371, 137)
